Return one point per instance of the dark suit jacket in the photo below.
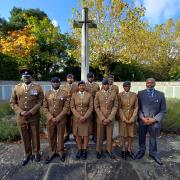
(154, 107)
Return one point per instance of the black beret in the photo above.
(55, 78)
(90, 75)
(70, 76)
(81, 82)
(126, 83)
(111, 76)
(105, 81)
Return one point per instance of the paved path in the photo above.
(72, 169)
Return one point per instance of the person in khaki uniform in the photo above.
(128, 108)
(82, 107)
(106, 105)
(92, 88)
(115, 88)
(56, 106)
(70, 87)
(112, 87)
(26, 99)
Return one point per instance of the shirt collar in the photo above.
(150, 90)
(55, 90)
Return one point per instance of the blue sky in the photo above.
(157, 11)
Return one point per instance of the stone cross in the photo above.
(84, 24)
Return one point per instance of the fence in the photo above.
(171, 89)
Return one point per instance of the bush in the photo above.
(5, 109)
(171, 122)
(8, 132)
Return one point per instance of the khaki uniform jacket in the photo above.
(81, 107)
(27, 100)
(70, 89)
(128, 105)
(105, 105)
(114, 88)
(92, 88)
(56, 105)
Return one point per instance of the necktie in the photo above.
(150, 93)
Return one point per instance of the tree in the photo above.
(107, 43)
(18, 18)
(124, 37)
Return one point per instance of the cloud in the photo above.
(158, 11)
(55, 23)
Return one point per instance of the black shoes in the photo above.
(63, 157)
(111, 155)
(131, 155)
(99, 155)
(79, 154)
(25, 160)
(49, 159)
(139, 155)
(84, 154)
(37, 157)
(156, 159)
(124, 155)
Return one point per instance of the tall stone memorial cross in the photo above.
(84, 24)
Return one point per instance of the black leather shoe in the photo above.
(139, 155)
(131, 155)
(63, 157)
(49, 159)
(110, 154)
(25, 160)
(99, 155)
(37, 157)
(84, 154)
(124, 155)
(79, 154)
(156, 159)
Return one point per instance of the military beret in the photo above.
(90, 75)
(105, 81)
(55, 79)
(81, 82)
(70, 76)
(126, 83)
(111, 76)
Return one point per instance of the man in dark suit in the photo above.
(152, 108)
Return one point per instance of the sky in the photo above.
(59, 11)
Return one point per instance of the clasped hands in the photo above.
(82, 119)
(127, 121)
(106, 121)
(148, 120)
(26, 114)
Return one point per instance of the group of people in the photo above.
(85, 109)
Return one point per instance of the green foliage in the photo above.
(51, 54)
(5, 110)
(8, 68)
(171, 123)
(8, 129)
(123, 37)
(8, 132)
(18, 17)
